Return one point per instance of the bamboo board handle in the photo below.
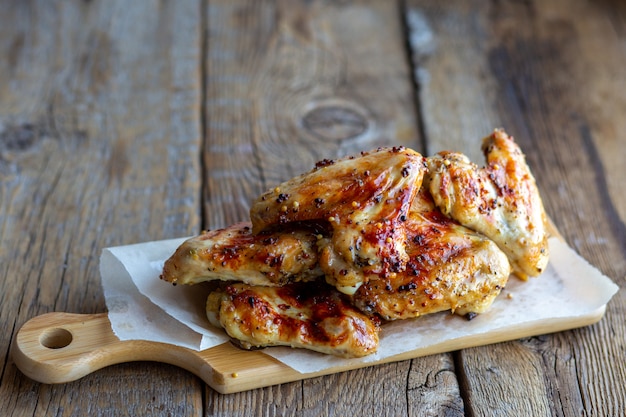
(62, 347)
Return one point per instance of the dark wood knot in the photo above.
(18, 137)
(335, 122)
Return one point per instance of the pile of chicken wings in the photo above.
(329, 256)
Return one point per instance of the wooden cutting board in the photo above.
(61, 347)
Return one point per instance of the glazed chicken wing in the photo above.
(450, 267)
(235, 254)
(500, 200)
(307, 315)
(363, 199)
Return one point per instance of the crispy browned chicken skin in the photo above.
(363, 200)
(309, 315)
(450, 267)
(235, 254)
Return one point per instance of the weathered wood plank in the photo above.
(457, 114)
(288, 84)
(433, 388)
(526, 67)
(99, 132)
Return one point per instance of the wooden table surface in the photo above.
(124, 122)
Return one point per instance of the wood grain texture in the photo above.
(291, 83)
(433, 388)
(99, 124)
(123, 122)
(288, 84)
(535, 67)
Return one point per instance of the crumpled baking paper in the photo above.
(142, 307)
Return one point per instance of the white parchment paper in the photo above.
(141, 306)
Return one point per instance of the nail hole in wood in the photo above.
(56, 338)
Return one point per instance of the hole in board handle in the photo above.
(56, 338)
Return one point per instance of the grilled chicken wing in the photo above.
(363, 199)
(307, 315)
(235, 254)
(450, 267)
(500, 200)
